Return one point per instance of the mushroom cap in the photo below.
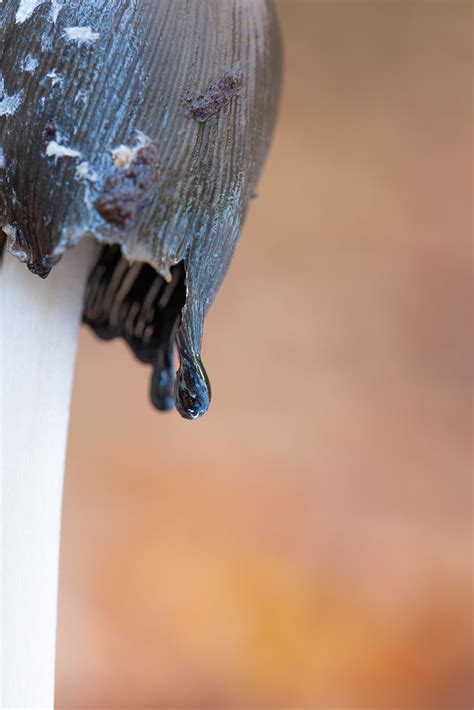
(144, 124)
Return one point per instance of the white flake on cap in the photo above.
(81, 35)
(56, 150)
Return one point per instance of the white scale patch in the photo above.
(29, 64)
(84, 172)
(123, 156)
(27, 8)
(55, 78)
(8, 103)
(56, 150)
(56, 8)
(81, 35)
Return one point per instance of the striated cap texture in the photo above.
(144, 123)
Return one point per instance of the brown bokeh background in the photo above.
(306, 544)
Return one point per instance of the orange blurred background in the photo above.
(306, 544)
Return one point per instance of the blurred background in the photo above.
(306, 544)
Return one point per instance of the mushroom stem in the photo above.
(38, 337)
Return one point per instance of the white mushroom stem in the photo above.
(38, 337)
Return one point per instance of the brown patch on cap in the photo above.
(127, 191)
(218, 95)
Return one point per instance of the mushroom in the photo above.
(144, 125)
